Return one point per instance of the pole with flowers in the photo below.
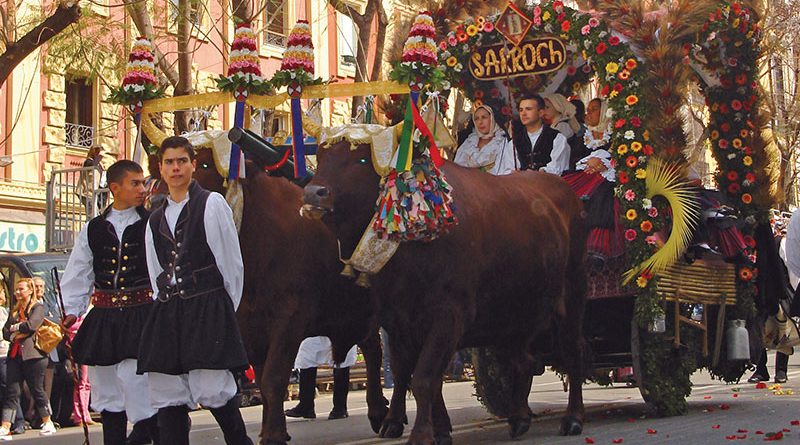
(138, 85)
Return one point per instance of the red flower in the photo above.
(723, 108)
(630, 234)
(561, 16)
(733, 176)
(617, 440)
(623, 178)
(636, 122)
(618, 87)
(723, 143)
(736, 104)
(588, 440)
(613, 40)
(734, 188)
(741, 79)
(565, 25)
(651, 431)
(601, 48)
(619, 123)
(750, 177)
(631, 161)
(606, 89)
(648, 150)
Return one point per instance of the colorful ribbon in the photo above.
(236, 167)
(298, 146)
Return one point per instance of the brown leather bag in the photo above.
(48, 336)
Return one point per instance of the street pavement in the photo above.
(718, 414)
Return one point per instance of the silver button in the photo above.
(180, 280)
(178, 268)
(179, 244)
(183, 292)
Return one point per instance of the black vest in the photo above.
(185, 256)
(537, 156)
(118, 264)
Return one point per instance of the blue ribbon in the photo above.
(298, 146)
(238, 121)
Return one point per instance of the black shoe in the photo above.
(337, 413)
(756, 378)
(780, 377)
(302, 412)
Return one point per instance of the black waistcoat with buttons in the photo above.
(186, 255)
(118, 264)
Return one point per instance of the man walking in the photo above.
(191, 342)
(108, 263)
(538, 146)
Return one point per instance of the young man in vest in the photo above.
(108, 263)
(538, 146)
(191, 342)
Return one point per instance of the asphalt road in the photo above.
(718, 414)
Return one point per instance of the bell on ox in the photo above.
(738, 340)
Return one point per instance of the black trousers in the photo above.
(32, 372)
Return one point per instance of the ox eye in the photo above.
(363, 161)
(204, 165)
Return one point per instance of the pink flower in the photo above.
(630, 195)
(443, 45)
(488, 27)
(652, 212)
(537, 21)
(537, 11)
(451, 40)
(652, 240)
(585, 30)
(571, 70)
(586, 68)
(594, 22)
(630, 234)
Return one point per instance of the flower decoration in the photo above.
(297, 66)
(139, 83)
(418, 65)
(244, 71)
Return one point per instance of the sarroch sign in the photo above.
(536, 56)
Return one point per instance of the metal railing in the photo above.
(275, 39)
(79, 135)
(74, 196)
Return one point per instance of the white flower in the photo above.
(459, 67)
(602, 34)
(732, 156)
(629, 135)
(609, 113)
(647, 203)
(446, 85)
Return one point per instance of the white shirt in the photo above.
(559, 156)
(221, 237)
(792, 247)
(610, 174)
(498, 151)
(77, 284)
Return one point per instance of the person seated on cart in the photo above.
(487, 147)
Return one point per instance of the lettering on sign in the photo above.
(537, 56)
(19, 237)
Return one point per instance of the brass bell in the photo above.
(348, 271)
(363, 280)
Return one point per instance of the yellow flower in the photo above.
(748, 161)
(612, 94)
(480, 21)
(641, 173)
(472, 30)
(641, 281)
(612, 67)
(646, 135)
(631, 214)
(622, 149)
(546, 16)
(737, 143)
(636, 146)
(631, 100)
(735, 23)
(744, 133)
(576, 86)
(714, 134)
(451, 61)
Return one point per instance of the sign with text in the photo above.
(21, 237)
(537, 56)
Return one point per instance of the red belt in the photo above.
(122, 298)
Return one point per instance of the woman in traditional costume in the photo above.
(560, 114)
(487, 147)
(593, 181)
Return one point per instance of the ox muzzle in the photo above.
(317, 202)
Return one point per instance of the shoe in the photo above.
(299, 411)
(780, 377)
(48, 429)
(338, 414)
(5, 434)
(19, 430)
(756, 377)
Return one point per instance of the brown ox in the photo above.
(511, 270)
(293, 290)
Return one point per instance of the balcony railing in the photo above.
(81, 136)
(275, 39)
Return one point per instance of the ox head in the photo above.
(344, 188)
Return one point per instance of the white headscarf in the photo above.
(605, 120)
(495, 128)
(565, 110)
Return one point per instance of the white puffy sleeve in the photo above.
(223, 240)
(77, 283)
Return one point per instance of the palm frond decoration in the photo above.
(664, 179)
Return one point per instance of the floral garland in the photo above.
(417, 66)
(139, 83)
(591, 48)
(244, 72)
(728, 50)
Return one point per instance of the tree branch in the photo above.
(65, 15)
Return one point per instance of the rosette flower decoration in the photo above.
(139, 82)
(297, 71)
(244, 71)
